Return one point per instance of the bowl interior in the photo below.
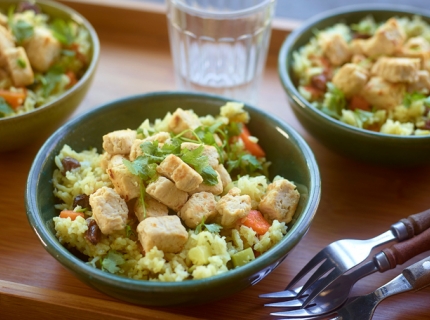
(290, 156)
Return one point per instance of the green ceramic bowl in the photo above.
(21, 130)
(357, 143)
(290, 156)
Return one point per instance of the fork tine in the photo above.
(317, 259)
(287, 294)
(320, 286)
(322, 270)
(296, 303)
(297, 315)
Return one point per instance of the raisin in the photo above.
(82, 200)
(70, 163)
(93, 233)
(319, 81)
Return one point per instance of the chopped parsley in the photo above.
(5, 109)
(21, 29)
(412, 97)
(21, 63)
(209, 227)
(63, 31)
(50, 80)
(334, 101)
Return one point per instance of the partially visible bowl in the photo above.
(360, 144)
(20, 130)
(290, 156)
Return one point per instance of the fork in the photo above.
(342, 255)
(337, 292)
(412, 278)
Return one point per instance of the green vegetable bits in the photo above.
(242, 257)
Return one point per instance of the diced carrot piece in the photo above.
(14, 99)
(71, 214)
(252, 147)
(256, 222)
(72, 77)
(358, 102)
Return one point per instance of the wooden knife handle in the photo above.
(417, 223)
(418, 274)
(401, 252)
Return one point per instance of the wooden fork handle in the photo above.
(417, 223)
(418, 274)
(401, 252)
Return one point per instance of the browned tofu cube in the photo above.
(166, 233)
(199, 205)
(280, 201)
(166, 192)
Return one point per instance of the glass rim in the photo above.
(220, 15)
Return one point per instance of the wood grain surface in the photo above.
(358, 200)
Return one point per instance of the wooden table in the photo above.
(358, 200)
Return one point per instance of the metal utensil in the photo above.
(342, 255)
(412, 278)
(336, 294)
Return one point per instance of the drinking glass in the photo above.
(220, 46)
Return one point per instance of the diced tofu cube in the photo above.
(215, 189)
(280, 201)
(199, 205)
(135, 150)
(109, 210)
(182, 120)
(387, 40)
(335, 48)
(397, 69)
(105, 160)
(166, 233)
(382, 94)
(209, 151)
(422, 84)
(166, 192)
(416, 47)
(224, 175)
(3, 20)
(184, 177)
(119, 142)
(43, 49)
(233, 207)
(356, 46)
(125, 183)
(350, 79)
(153, 208)
(6, 39)
(18, 66)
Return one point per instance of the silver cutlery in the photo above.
(342, 255)
(412, 278)
(336, 294)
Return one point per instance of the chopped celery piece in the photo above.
(242, 257)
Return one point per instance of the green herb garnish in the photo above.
(63, 31)
(412, 97)
(5, 109)
(22, 30)
(213, 227)
(21, 63)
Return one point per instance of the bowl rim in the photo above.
(71, 262)
(79, 18)
(287, 83)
